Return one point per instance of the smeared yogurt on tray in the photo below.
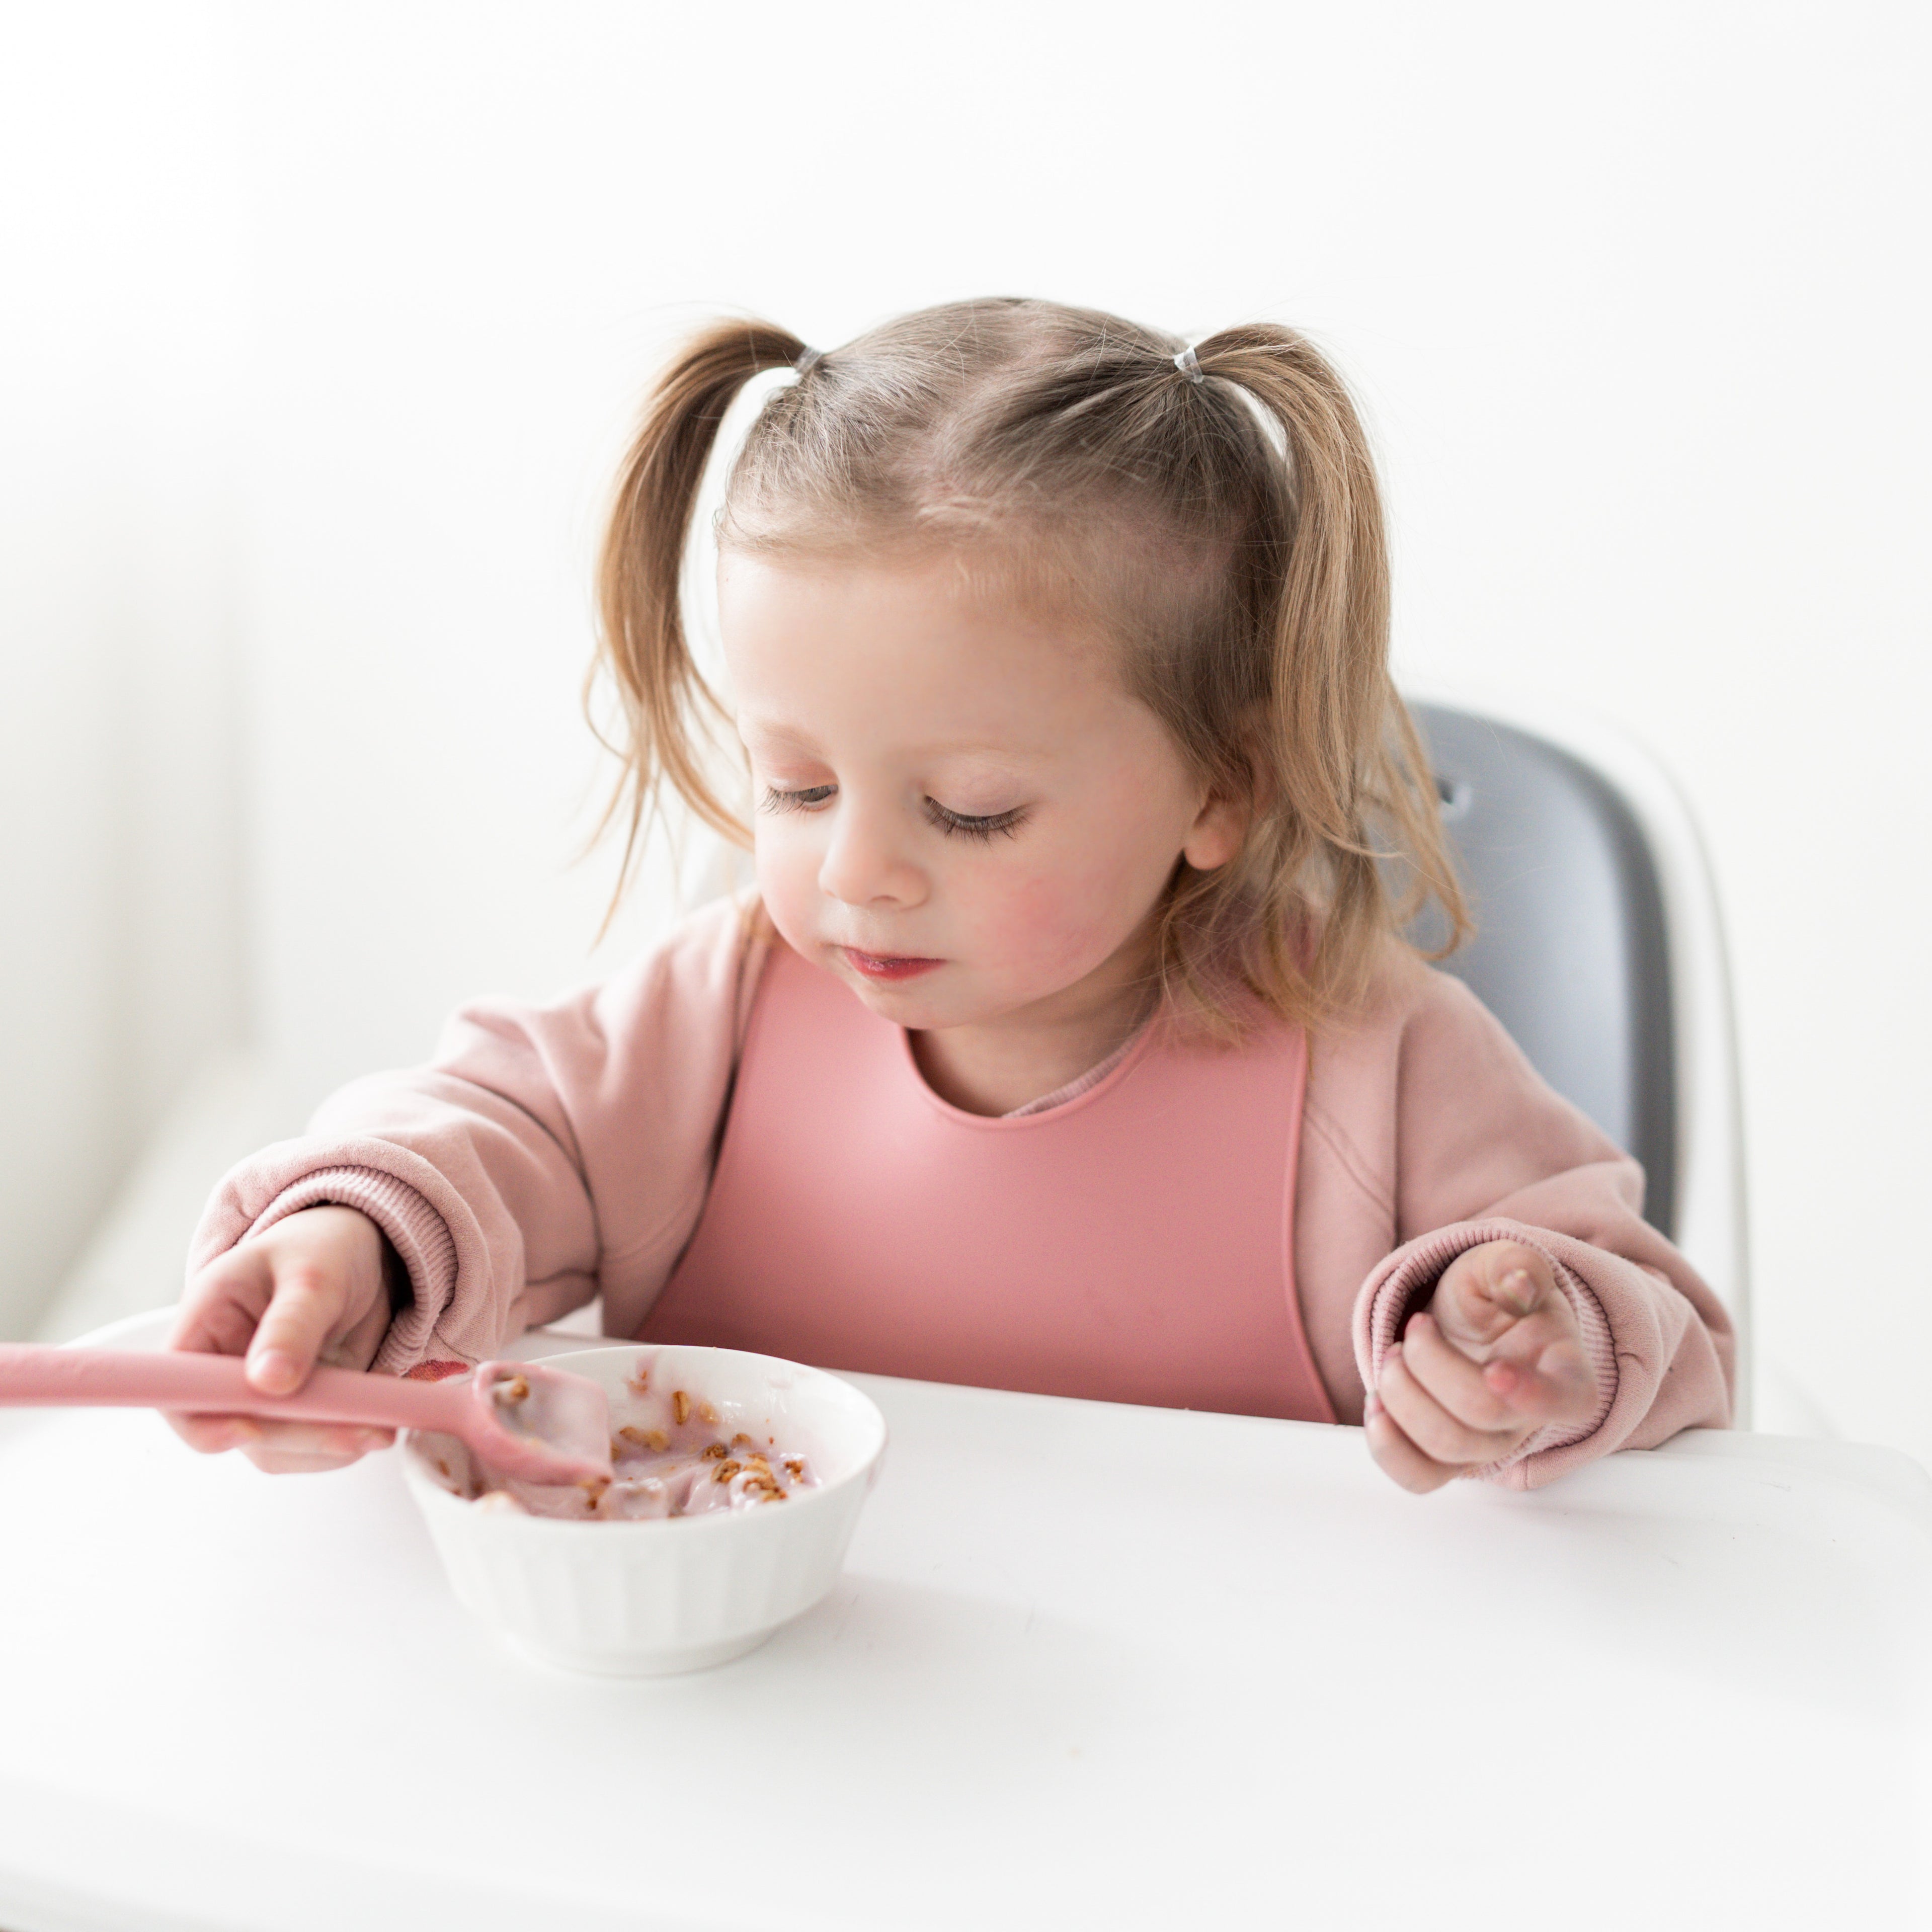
(672, 1454)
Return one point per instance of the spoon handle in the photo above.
(192, 1384)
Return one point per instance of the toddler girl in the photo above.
(1070, 1043)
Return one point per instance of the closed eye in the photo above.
(802, 800)
(991, 826)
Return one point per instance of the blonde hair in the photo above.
(1226, 530)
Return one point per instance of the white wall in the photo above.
(120, 314)
(1633, 296)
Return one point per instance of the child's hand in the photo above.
(311, 1286)
(1496, 1356)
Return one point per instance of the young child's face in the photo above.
(962, 810)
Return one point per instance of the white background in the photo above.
(323, 327)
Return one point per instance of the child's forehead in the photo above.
(801, 640)
(911, 593)
(778, 735)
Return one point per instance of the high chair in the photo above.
(1599, 945)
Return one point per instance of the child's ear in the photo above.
(1216, 834)
(1227, 815)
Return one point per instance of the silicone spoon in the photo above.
(537, 1424)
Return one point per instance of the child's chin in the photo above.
(906, 1003)
(918, 1004)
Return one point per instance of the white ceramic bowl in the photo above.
(647, 1598)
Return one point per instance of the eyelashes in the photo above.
(998, 824)
(994, 825)
(775, 800)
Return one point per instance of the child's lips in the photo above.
(887, 965)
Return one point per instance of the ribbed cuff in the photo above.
(1408, 1286)
(415, 1230)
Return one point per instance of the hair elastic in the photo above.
(808, 360)
(1189, 365)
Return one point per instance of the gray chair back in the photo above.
(1571, 948)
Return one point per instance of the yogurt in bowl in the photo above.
(672, 1568)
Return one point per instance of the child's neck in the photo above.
(996, 1065)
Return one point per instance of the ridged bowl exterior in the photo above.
(647, 1598)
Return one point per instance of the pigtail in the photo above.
(1344, 775)
(667, 707)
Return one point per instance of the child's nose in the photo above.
(866, 863)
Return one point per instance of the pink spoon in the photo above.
(538, 1425)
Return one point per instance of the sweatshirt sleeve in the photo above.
(1485, 1152)
(546, 1155)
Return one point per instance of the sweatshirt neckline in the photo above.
(1129, 1055)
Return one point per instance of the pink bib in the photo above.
(1133, 1245)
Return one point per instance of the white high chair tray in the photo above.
(1088, 1666)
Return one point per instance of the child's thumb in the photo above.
(1496, 1286)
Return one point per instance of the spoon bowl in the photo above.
(537, 1424)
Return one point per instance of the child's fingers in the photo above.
(1542, 1374)
(294, 1448)
(272, 1465)
(1487, 1290)
(281, 1447)
(1396, 1457)
(210, 1435)
(308, 1303)
(1430, 1426)
(1457, 1381)
(311, 1286)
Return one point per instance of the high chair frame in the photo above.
(1579, 810)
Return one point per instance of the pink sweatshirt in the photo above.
(551, 1154)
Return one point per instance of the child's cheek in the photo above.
(786, 861)
(1053, 923)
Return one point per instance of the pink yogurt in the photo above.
(671, 1455)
